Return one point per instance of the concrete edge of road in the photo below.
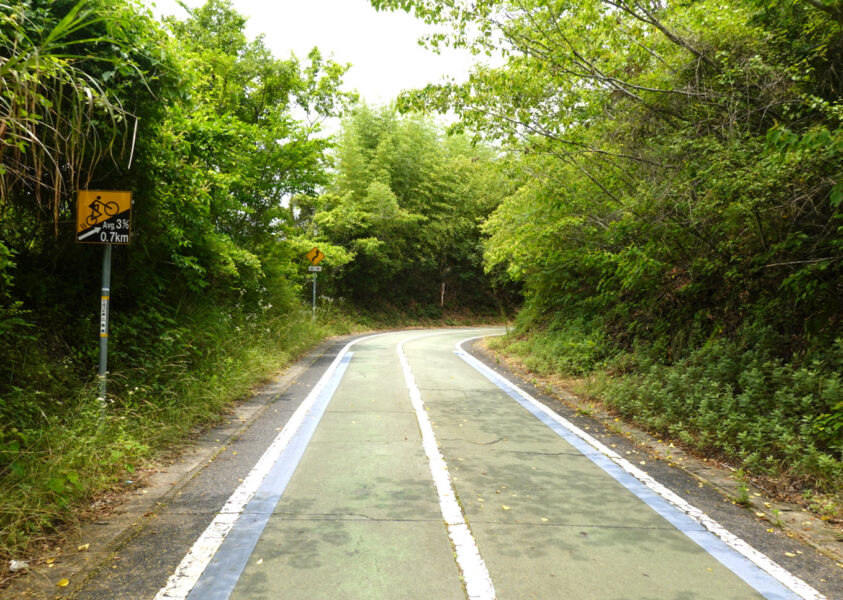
(82, 553)
(788, 517)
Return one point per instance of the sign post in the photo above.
(104, 217)
(315, 256)
(104, 300)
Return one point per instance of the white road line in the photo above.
(763, 562)
(478, 584)
(200, 554)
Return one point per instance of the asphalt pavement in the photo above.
(399, 466)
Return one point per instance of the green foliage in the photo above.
(680, 165)
(404, 212)
(742, 497)
(66, 68)
(676, 197)
(219, 166)
(205, 299)
(739, 402)
(568, 346)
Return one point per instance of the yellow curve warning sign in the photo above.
(103, 217)
(315, 256)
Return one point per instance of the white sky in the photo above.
(382, 47)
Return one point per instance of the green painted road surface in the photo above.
(361, 514)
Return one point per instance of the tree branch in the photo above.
(834, 9)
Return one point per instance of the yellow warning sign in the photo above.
(315, 256)
(103, 217)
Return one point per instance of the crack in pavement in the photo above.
(352, 517)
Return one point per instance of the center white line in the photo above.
(478, 584)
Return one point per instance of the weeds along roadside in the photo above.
(170, 375)
(778, 422)
(63, 448)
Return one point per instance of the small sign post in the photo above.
(315, 256)
(104, 217)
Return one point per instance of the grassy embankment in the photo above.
(780, 423)
(65, 449)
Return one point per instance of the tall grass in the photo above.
(170, 376)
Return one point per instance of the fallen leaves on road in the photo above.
(63, 583)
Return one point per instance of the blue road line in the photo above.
(749, 572)
(222, 573)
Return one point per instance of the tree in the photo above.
(406, 205)
(629, 115)
(219, 151)
(676, 213)
(224, 162)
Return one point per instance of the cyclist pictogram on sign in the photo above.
(103, 217)
(98, 208)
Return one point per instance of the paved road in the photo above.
(412, 471)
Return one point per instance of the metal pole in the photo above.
(106, 284)
(314, 296)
